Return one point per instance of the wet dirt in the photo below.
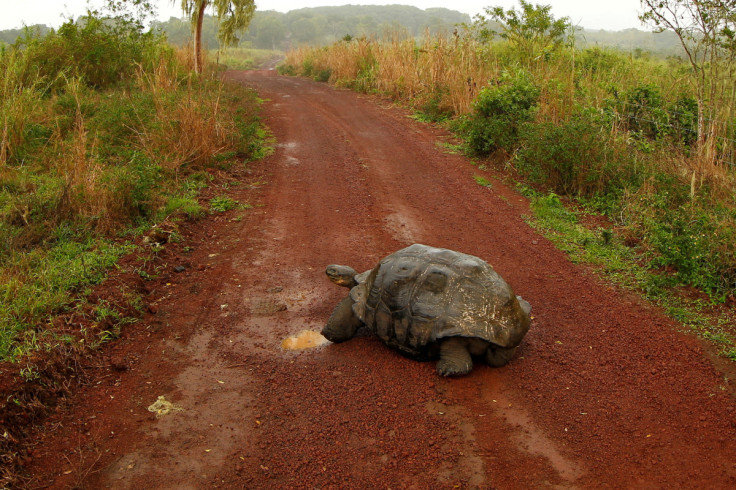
(603, 392)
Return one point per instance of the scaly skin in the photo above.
(342, 275)
(343, 324)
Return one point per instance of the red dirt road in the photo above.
(603, 391)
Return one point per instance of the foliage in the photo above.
(220, 204)
(532, 30)
(621, 264)
(95, 146)
(707, 33)
(232, 16)
(644, 112)
(694, 240)
(100, 51)
(576, 157)
(499, 113)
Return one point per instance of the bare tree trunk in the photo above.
(198, 37)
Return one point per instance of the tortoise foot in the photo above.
(455, 358)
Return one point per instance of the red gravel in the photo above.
(604, 392)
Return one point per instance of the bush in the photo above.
(683, 115)
(499, 113)
(287, 69)
(101, 51)
(576, 157)
(323, 75)
(688, 236)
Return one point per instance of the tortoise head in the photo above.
(342, 275)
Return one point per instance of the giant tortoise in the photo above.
(431, 302)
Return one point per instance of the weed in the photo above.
(480, 180)
(187, 205)
(220, 204)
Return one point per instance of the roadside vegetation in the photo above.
(646, 143)
(105, 132)
(244, 58)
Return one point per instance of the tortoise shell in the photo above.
(421, 294)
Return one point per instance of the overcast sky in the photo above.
(591, 14)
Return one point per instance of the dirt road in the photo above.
(602, 393)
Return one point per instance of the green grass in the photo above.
(220, 204)
(40, 283)
(482, 181)
(621, 264)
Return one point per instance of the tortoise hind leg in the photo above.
(455, 357)
(343, 324)
(499, 356)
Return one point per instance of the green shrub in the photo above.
(101, 51)
(308, 68)
(576, 157)
(287, 69)
(499, 113)
(683, 118)
(323, 75)
(689, 236)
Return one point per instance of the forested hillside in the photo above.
(325, 25)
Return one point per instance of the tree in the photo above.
(232, 16)
(707, 31)
(532, 30)
(270, 33)
(304, 30)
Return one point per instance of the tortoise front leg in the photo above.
(343, 324)
(455, 358)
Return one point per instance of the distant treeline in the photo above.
(663, 44)
(322, 26)
(9, 36)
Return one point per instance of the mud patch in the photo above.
(306, 339)
(402, 228)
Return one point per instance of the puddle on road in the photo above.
(306, 339)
